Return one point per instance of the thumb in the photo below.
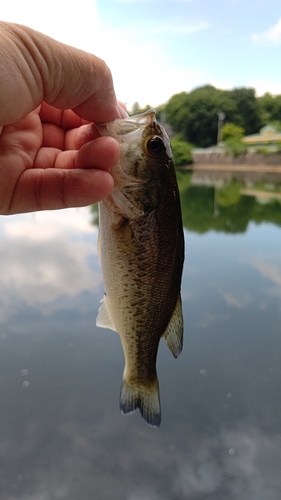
(36, 68)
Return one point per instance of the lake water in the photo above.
(62, 436)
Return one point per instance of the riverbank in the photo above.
(215, 158)
(219, 175)
(231, 167)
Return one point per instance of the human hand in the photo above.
(51, 155)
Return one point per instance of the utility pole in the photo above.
(221, 117)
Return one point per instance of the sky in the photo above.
(157, 48)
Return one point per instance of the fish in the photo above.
(141, 252)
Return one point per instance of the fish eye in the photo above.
(155, 145)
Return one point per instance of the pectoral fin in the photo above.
(173, 334)
(104, 319)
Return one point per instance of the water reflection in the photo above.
(223, 203)
(62, 436)
(44, 259)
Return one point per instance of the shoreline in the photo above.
(228, 167)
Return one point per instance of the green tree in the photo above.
(270, 108)
(181, 151)
(267, 105)
(194, 115)
(232, 131)
(176, 112)
(136, 109)
(232, 137)
(248, 110)
(202, 125)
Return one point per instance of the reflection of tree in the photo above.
(206, 208)
(229, 194)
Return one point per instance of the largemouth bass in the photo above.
(141, 250)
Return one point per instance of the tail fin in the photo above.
(146, 398)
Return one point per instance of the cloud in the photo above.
(262, 86)
(147, 1)
(245, 472)
(44, 257)
(43, 225)
(241, 463)
(142, 69)
(209, 318)
(39, 273)
(272, 36)
(201, 476)
(69, 21)
(239, 301)
(144, 72)
(270, 271)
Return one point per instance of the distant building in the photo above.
(268, 137)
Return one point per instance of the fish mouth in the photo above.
(124, 126)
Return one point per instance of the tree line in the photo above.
(194, 115)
